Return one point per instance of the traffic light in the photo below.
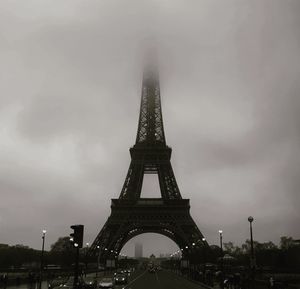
(77, 235)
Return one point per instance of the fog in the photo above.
(70, 83)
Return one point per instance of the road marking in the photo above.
(135, 279)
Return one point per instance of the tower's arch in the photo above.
(134, 231)
(146, 244)
(128, 219)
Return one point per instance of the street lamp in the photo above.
(221, 246)
(221, 238)
(98, 260)
(250, 220)
(42, 257)
(252, 259)
(86, 257)
(204, 252)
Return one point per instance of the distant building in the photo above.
(2, 246)
(153, 260)
(138, 250)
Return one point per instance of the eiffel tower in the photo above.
(132, 215)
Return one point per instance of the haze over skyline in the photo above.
(70, 85)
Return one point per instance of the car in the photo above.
(68, 284)
(89, 283)
(121, 279)
(127, 272)
(106, 283)
(57, 282)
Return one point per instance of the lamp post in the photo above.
(204, 251)
(42, 258)
(221, 240)
(86, 257)
(98, 261)
(221, 246)
(252, 259)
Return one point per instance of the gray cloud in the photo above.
(70, 91)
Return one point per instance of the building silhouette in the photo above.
(138, 250)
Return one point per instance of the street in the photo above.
(143, 280)
(158, 280)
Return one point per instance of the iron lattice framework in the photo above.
(150, 153)
(150, 128)
(132, 215)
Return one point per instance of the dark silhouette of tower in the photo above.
(132, 215)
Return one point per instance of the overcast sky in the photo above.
(70, 82)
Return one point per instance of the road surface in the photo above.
(158, 280)
(140, 280)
